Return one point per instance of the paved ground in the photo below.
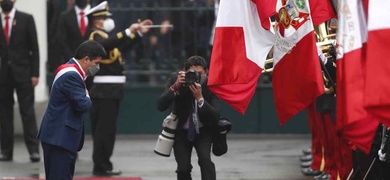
(250, 157)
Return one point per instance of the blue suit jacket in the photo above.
(63, 124)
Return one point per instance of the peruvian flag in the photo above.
(353, 121)
(240, 49)
(377, 86)
(297, 78)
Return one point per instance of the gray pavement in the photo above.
(250, 157)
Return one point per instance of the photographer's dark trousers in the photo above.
(103, 114)
(183, 148)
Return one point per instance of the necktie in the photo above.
(6, 29)
(82, 24)
(191, 129)
(193, 124)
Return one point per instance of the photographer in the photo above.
(198, 112)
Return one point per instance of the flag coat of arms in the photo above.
(321, 10)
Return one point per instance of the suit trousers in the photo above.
(59, 162)
(103, 114)
(183, 148)
(25, 95)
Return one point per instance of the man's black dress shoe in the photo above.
(306, 151)
(323, 176)
(34, 157)
(310, 172)
(306, 164)
(113, 172)
(306, 158)
(5, 157)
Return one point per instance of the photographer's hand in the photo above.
(180, 79)
(196, 90)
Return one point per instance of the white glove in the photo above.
(381, 156)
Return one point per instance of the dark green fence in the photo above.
(139, 115)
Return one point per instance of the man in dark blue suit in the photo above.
(62, 128)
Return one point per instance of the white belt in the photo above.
(109, 79)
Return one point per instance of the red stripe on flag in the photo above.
(353, 121)
(297, 79)
(321, 11)
(361, 133)
(232, 77)
(377, 86)
(350, 88)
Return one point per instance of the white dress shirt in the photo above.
(10, 20)
(78, 10)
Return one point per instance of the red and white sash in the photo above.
(61, 70)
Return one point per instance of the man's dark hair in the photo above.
(195, 61)
(90, 48)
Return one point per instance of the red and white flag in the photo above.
(377, 86)
(353, 121)
(240, 49)
(297, 78)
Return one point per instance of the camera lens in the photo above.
(192, 76)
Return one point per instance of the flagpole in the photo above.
(350, 174)
(369, 169)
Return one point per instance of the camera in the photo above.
(220, 146)
(166, 139)
(192, 76)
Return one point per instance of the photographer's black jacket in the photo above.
(181, 104)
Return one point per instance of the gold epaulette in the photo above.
(114, 54)
(101, 33)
